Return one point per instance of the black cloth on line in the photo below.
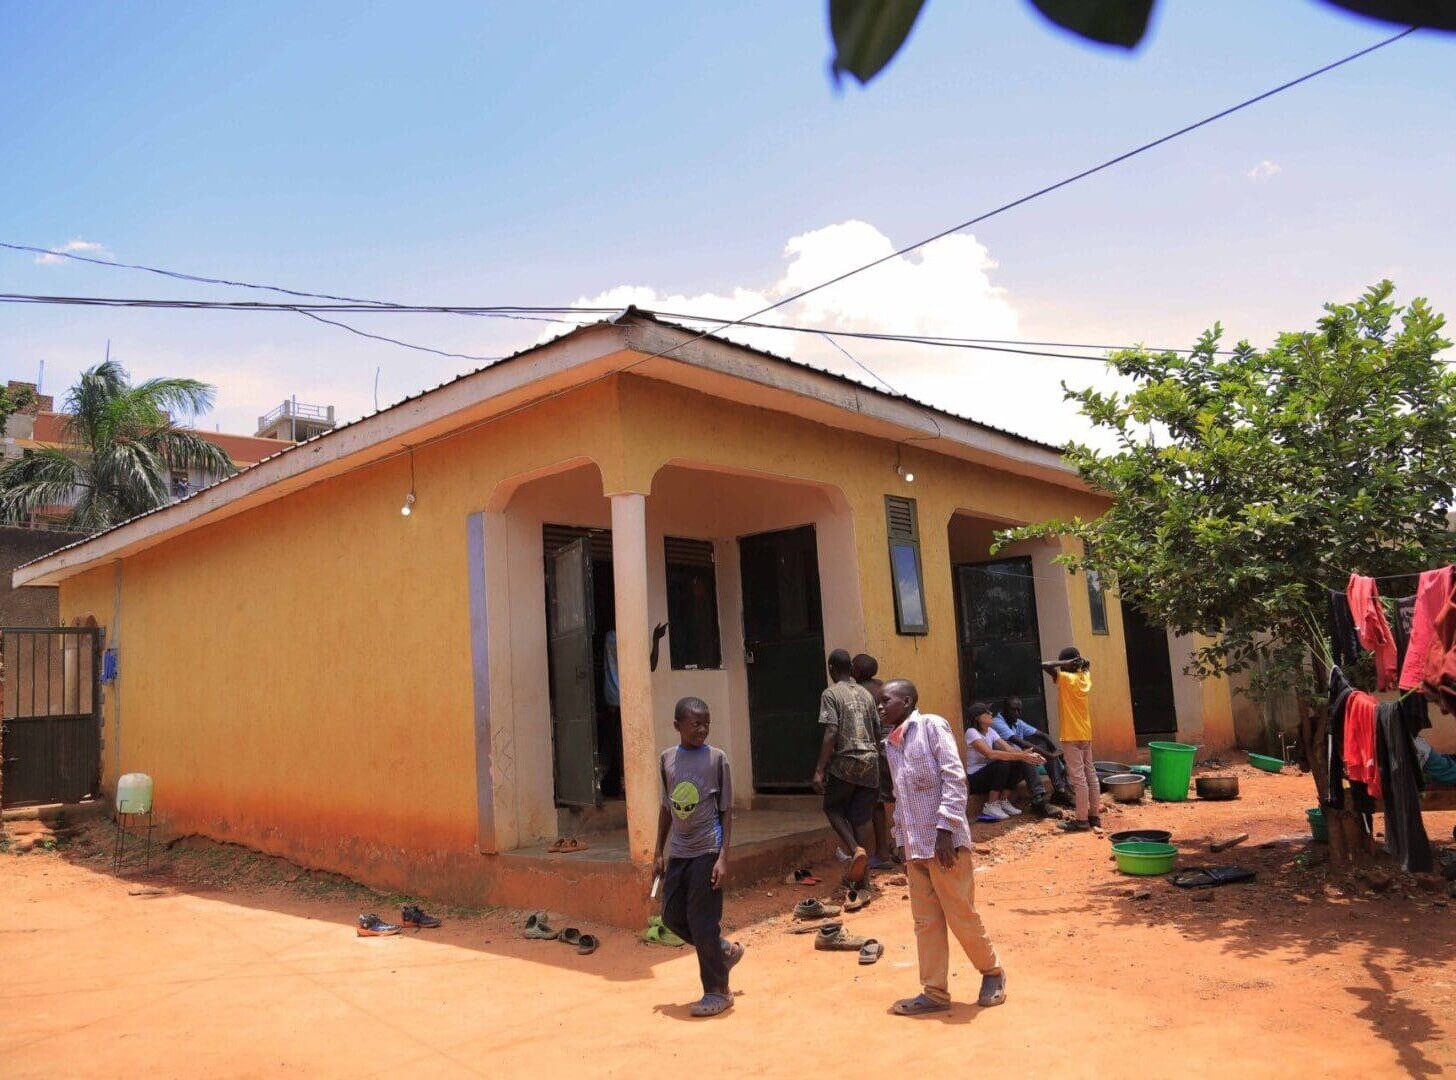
(1342, 630)
(1400, 783)
(1340, 690)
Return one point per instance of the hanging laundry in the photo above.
(1340, 691)
(1359, 743)
(1373, 629)
(1342, 630)
(1431, 594)
(1438, 678)
(1400, 780)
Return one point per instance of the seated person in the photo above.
(1439, 768)
(1011, 728)
(989, 765)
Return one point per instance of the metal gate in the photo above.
(50, 726)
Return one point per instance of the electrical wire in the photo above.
(1047, 190)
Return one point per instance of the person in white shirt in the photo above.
(990, 766)
(931, 827)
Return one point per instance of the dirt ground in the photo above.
(224, 963)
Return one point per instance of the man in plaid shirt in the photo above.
(931, 827)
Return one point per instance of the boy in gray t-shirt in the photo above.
(693, 829)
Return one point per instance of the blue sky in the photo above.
(550, 152)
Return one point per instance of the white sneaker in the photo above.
(1008, 808)
(991, 810)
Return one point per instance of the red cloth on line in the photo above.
(1431, 596)
(1374, 631)
(1359, 744)
(1439, 677)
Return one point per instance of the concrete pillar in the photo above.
(634, 643)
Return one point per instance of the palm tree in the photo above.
(120, 448)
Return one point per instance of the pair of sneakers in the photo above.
(1001, 809)
(372, 925)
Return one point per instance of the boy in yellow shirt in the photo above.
(1073, 674)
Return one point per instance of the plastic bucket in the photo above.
(1172, 770)
(1317, 827)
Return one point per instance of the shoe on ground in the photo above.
(991, 810)
(1076, 826)
(411, 915)
(373, 926)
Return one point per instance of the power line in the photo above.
(1047, 190)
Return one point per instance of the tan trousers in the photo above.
(942, 899)
(1083, 777)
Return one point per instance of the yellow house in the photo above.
(417, 648)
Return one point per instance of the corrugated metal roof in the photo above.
(627, 316)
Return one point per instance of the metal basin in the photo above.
(1146, 836)
(1126, 787)
(1217, 787)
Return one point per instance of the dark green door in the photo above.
(569, 626)
(1149, 677)
(783, 647)
(1000, 647)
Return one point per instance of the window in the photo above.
(905, 571)
(1097, 602)
(692, 605)
(180, 485)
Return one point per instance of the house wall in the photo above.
(29, 605)
(345, 736)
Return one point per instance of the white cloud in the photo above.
(1264, 170)
(77, 246)
(945, 289)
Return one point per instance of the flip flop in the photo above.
(859, 865)
(870, 951)
(711, 1005)
(814, 909)
(587, 944)
(733, 954)
(570, 936)
(538, 929)
(812, 928)
(802, 876)
(918, 1006)
(657, 934)
(567, 845)
(836, 940)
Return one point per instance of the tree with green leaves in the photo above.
(13, 401)
(121, 445)
(1246, 484)
(868, 33)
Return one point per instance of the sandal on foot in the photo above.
(587, 944)
(859, 866)
(993, 990)
(538, 929)
(814, 909)
(733, 953)
(836, 940)
(918, 1006)
(870, 951)
(711, 1005)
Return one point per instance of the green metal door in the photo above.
(783, 643)
(1000, 646)
(569, 626)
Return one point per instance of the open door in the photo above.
(1000, 644)
(569, 628)
(783, 645)
(1149, 677)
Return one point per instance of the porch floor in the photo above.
(750, 827)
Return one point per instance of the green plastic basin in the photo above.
(1143, 858)
(1172, 764)
(1267, 763)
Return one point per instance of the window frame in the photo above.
(1096, 603)
(907, 537)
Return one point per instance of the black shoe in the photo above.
(374, 926)
(1076, 826)
(413, 916)
(1064, 798)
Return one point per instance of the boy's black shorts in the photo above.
(855, 802)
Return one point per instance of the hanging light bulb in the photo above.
(900, 470)
(409, 500)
